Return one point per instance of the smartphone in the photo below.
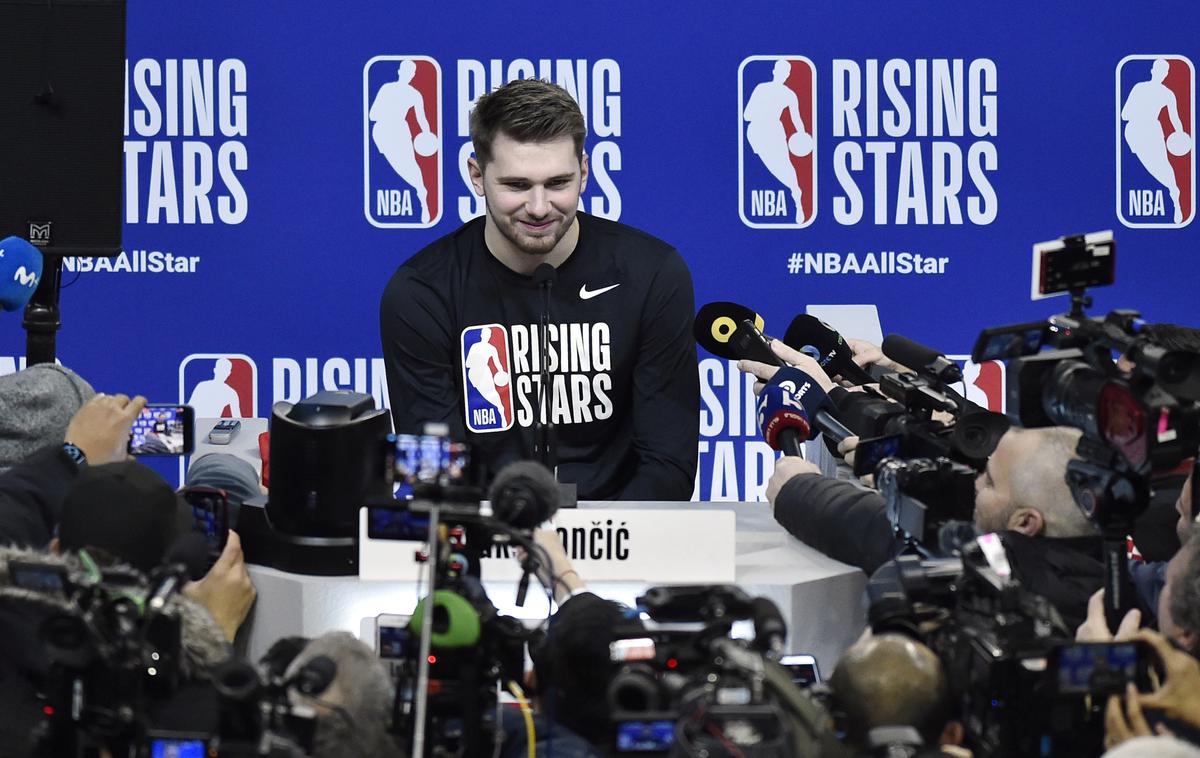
(39, 577)
(210, 509)
(394, 643)
(871, 451)
(1101, 668)
(657, 736)
(163, 429)
(393, 640)
(803, 669)
(164, 744)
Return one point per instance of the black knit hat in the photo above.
(124, 509)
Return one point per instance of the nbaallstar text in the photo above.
(882, 262)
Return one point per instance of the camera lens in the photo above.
(1071, 395)
(635, 689)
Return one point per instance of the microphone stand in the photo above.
(42, 315)
(544, 448)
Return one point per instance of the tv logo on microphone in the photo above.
(402, 141)
(487, 378)
(219, 385)
(26, 278)
(777, 145)
(1156, 157)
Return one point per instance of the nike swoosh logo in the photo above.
(584, 294)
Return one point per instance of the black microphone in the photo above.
(734, 332)
(922, 359)
(185, 559)
(524, 495)
(544, 277)
(770, 630)
(826, 346)
(315, 676)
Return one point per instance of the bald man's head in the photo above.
(891, 680)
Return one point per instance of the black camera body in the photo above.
(923, 495)
(1001, 646)
(681, 684)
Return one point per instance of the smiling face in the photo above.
(531, 190)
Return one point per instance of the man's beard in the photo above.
(542, 244)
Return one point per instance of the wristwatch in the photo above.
(75, 454)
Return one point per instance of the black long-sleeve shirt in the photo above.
(624, 385)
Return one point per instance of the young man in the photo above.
(461, 320)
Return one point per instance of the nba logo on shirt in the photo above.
(487, 383)
(402, 141)
(219, 385)
(1156, 157)
(983, 384)
(777, 111)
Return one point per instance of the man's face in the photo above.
(531, 190)
(993, 488)
(1166, 622)
(1183, 505)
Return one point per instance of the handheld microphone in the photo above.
(826, 346)
(922, 359)
(524, 495)
(734, 332)
(20, 272)
(782, 420)
(812, 399)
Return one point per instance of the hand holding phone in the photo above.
(163, 429)
(210, 508)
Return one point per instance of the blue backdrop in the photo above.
(956, 131)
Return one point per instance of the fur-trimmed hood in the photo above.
(204, 644)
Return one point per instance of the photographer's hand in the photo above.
(791, 357)
(101, 427)
(1179, 695)
(785, 468)
(1095, 627)
(1122, 724)
(559, 574)
(868, 353)
(226, 590)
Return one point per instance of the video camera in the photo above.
(456, 650)
(1023, 686)
(1132, 424)
(681, 684)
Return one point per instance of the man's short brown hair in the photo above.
(527, 110)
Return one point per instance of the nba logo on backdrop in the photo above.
(402, 141)
(1156, 157)
(487, 383)
(219, 385)
(983, 384)
(777, 111)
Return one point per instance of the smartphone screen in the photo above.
(1101, 668)
(177, 746)
(870, 452)
(803, 669)
(645, 736)
(162, 429)
(210, 509)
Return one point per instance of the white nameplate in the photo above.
(605, 545)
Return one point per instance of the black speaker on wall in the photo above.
(62, 102)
